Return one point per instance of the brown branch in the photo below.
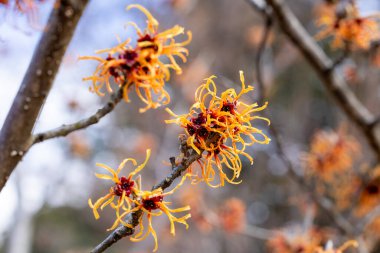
(260, 53)
(323, 65)
(81, 124)
(324, 204)
(15, 135)
(189, 156)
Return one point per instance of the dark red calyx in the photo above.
(199, 120)
(152, 203)
(337, 25)
(124, 185)
(112, 70)
(372, 189)
(229, 107)
(129, 56)
(149, 38)
(359, 21)
(191, 129)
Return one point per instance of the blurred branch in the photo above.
(15, 135)
(260, 53)
(81, 124)
(323, 65)
(322, 202)
(189, 156)
(346, 52)
(257, 232)
(258, 5)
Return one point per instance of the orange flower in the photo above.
(221, 126)
(193, 196)
(142, 65)
(294, 241)
(370, 194)
(152, 204)
(331, 153)
(232, 215)
(122, 191)
(330, 248)
(347, 27)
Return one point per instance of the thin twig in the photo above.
(257, 232)
(346, 52)
(81, 124)
(322, 64)
(15, 135)
(260, 53)
(323, 203)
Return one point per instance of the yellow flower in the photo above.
(329, 247)
(221, 126)
(120, 196)
(152, 204)
(348, 27)
(142, 65)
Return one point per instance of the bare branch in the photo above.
(189, 156)
(260, 53)
(323, 203)
(334, 83)
(67, 129)
(15, 135)
(258, 5)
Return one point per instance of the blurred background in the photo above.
(43, 207)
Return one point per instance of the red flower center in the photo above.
(152, 203)
(124, 185)
(229, 107)
(372, 189)
(148, 38)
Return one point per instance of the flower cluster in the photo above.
(126, 196)
(347, 26)
(120, 196)
(330, 153)
(222, 127)
(294, 240)
(232, 215)
(141, 65)
(218, 128)
(152, 204)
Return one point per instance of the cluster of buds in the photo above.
(126, 196)
(141, 66)
(221, 128)
(342, 21)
